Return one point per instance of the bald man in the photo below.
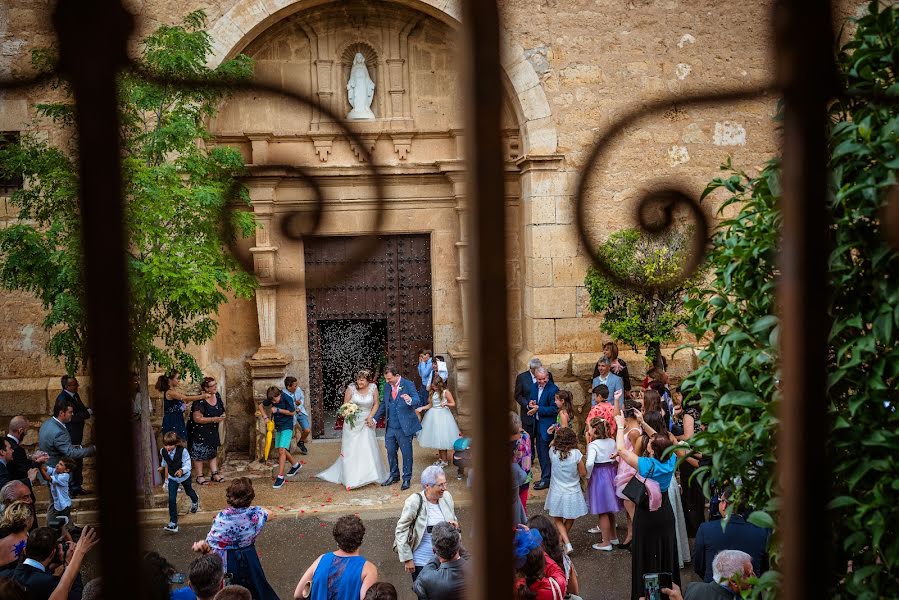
(21, 467)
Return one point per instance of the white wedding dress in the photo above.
(360, 461)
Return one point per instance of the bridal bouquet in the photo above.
(348, 411)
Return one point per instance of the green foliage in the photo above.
(177, 191)
(736, 312)
(863, 385)
(642, 319)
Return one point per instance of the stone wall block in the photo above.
(522, 75)
(570, 271)
(542, 335)
(540, 136)
(565, 212)
(578, 335)
(550, 241)
(534, 104)
(539, 272)
(542, 210)
(582, 364)
(545, 183)
(558, 302)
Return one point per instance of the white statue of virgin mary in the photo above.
(360, 90)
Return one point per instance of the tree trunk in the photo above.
(654, 354)
(146, 433)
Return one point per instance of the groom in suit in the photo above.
(399, 401)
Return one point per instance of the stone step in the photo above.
(92, 503)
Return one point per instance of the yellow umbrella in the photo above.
(269, 434)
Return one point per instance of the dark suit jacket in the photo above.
(398, 413)
(40, 585)
(20, 463)
(707, 591)
(523, 384)
(4, 475)
(738, 535)
(76, 425)
(546, 408)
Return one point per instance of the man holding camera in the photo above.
(50, 563)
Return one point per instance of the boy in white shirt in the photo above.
(60, 500)
(176, 466)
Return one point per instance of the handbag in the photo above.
(636, 492)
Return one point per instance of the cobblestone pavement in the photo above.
(288, 546)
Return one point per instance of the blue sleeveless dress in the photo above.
(337, 577)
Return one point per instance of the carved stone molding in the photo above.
(323, 146)
(368, 143)
(402, 145)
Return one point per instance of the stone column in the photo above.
(268, 365)
(455, 172)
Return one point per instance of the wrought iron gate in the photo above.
(393, 283)
(93, 37)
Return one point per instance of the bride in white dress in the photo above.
(360, 461)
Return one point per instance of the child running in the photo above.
(601, 469)
(565, 500)
(176, 469)
(283, 410)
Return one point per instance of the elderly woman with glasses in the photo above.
(421, 512)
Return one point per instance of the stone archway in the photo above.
(234, 30)
(539, 194)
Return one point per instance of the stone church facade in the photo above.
(571, 68)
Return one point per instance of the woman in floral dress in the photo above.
(233, 537)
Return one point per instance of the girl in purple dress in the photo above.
(601, 469)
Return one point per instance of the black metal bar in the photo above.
(806, 74)
(492, 578)
(92, 40)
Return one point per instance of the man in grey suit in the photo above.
(54, 438)
(610, 380)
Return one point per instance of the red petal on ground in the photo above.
(302, 535)
(328, 500)
(321, 524)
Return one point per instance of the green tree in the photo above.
(642, 318)
(738, 379)
(177, 193)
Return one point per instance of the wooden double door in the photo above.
(381, 313)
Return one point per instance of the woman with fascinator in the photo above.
(536, 578)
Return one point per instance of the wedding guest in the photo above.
(173, 403)
(605, 376)
(522, 455)
(381, 590)
(443, 578)
(203, 431)
(15, 523)
(421, 511)
(617, 366)
(343, 574)
(428, 367)
(233, 537)
(565, 500)
(523, 384)
(536, 577)
(686, 422)
(736, 534)
(176, 468)
(604, 409)
(601, 471)
(633, 439)
(565, 414)
(654, 543)
(295, 394)
(283, 409)
(438, 426)
(542, 406)
(554, 551)
(75, 425)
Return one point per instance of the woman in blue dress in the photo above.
(174, 403)
(343, 574)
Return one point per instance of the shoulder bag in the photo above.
(635, 490)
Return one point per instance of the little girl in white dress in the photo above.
(438, 426)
